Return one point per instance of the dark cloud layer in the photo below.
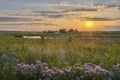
(56, 14)
(52, 15)
(83, 9)
(15, 24)
(13, 19)
(108, 6)
(98, 19)
(16, 19)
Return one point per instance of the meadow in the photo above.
(60, 56)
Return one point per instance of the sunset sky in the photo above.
(39, 15)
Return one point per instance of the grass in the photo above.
(70, 49)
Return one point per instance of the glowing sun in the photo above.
(89, 24)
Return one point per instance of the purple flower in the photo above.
(20, 65)
(77, 78)
(111, 74)
(68, 70)
(47, 79)
(39, 79)
(109, 79)
(60, 71)
(37, 62)
(98, 68)
(4, 56)
(81, 76)
(74, 72)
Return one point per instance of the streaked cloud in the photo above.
(14, 19)
(15, 24)
(81, 9)
(98, 19)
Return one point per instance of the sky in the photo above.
(40, 15)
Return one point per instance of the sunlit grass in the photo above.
(59, 53)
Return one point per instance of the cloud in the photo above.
(17, 19)
(63, 13)
(51, 12)
(30, 23)
(62, 3)
(106, 6)
(98, 19)
(13, 19)
(83, 9)
(53, 15)
(111, 6)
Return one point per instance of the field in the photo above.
(60, 56)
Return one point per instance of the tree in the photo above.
(62, 31)
(71, 30)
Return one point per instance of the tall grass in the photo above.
(60, 53)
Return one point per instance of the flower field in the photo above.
(65, 56)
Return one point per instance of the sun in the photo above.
(89, 24)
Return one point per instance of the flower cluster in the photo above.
(92, 68)
(41, 71)
(26, 69)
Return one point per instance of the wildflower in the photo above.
(91, 71)
(109, 79)
(98, 68)
(38, 62)
(111, 74)
(4, 56)
(44, 64)
(77, 78)
(49, 75)
(20, 65)
(13, 59)
(74, 72)
(47, 79)
(68, 70)
(81, 76)
(39, 79)
(52, 72)
(74, 67)
(31, 74)
(60, 71)
(46, 67)
(88, 66)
